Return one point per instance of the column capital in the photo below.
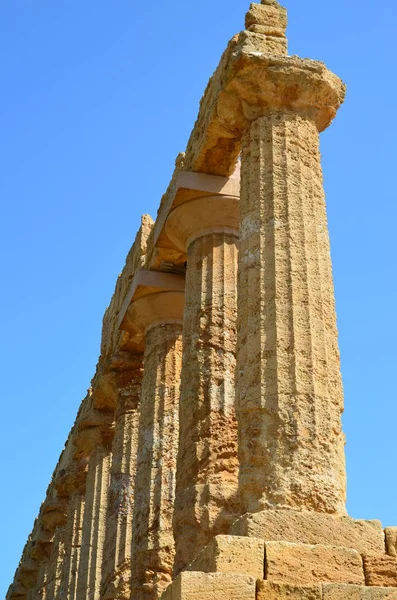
(202, 216)
(154, 299)
(250, 83)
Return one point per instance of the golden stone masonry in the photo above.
(207, 460)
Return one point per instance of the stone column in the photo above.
(289, 389)
(118, 541)
(158, 316)
(72, 548)
(207, 474)
(93, 526)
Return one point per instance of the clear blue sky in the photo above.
(97, 100)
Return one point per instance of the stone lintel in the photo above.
(204, 184)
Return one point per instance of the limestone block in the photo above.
(273, 17)
(391, 540)
(356, 592)
(203, 586)
(380, 570)
(302, 564)
(231, 554)
(257, 40)
(269, 590)
(304, 527)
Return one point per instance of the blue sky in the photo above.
(97, 100)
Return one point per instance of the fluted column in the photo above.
(116, 577)
(156, 312)
(153, 540)
(289, 389)
(93, 527)
(207, 473)
(72, 547)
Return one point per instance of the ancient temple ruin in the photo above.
(207, 460)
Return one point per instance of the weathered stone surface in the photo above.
(269, 590)
(306, 527)
(105, 530)
(289, 388)
(207, 586)
(391, 540)
(250, 83)
(231, 554)
(380, 570)
(93, 526)
(354, 592)
(152, 536)
(69, 560)
(206, 501)
(301, 564)
(117, 546)
(272, 16)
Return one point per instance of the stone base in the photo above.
(231, 554)
(304, 527)
(328, 591)
(287, 555)
(207, 586)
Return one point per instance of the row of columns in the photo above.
(200, 439)
(232, 398)
(191, 448)
(211, 448)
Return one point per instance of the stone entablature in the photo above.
(208, 453)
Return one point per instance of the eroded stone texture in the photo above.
(306, 527)
(116, 579)
(380, 570)
(55, 573)
(354, 592)
(231, 554)
(302, 564)
(207, 586)
(268, 23)
(153, 543)
(104, 531)
(94, 526)
(289, 388)
(331, 591)
(206, 488)
(391, 540)
(269, 590)
(72, 548)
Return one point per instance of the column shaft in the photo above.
(116, 581)
(289, 389)
(207, 475)
(73, 541)
(94, 524)
(55, 567)
(153, 542)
